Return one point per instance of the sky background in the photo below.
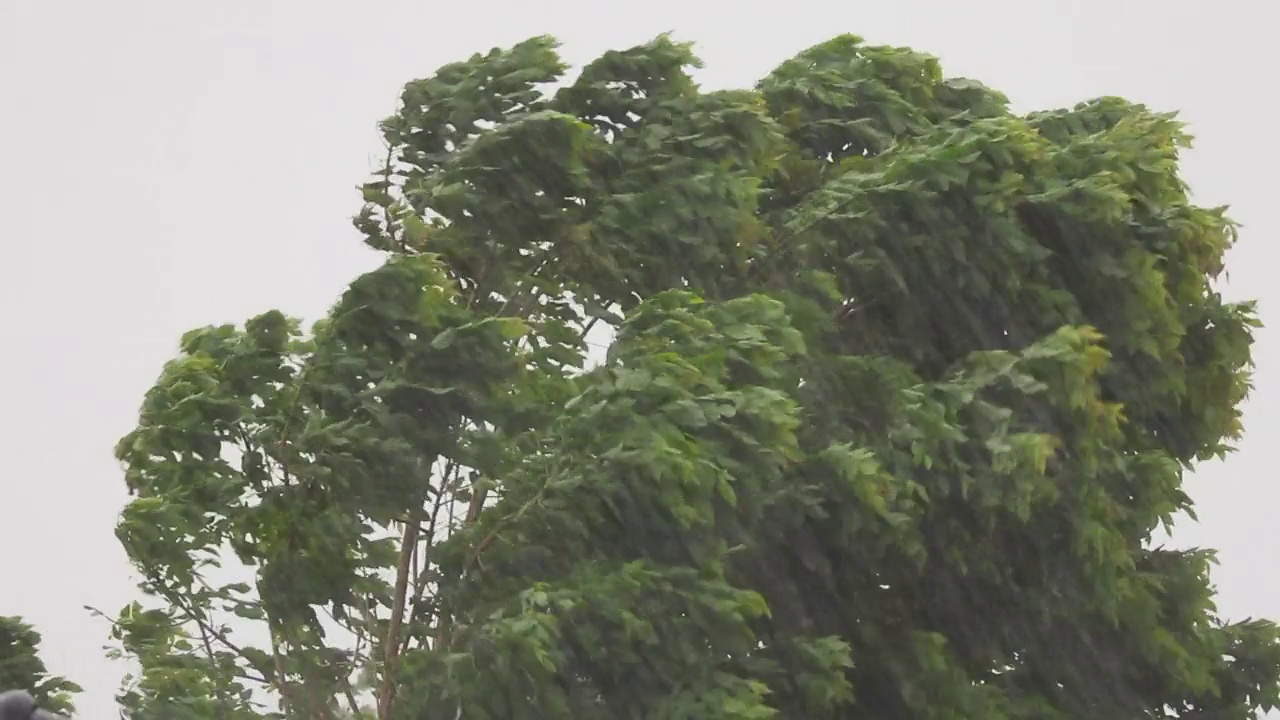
(166, 165)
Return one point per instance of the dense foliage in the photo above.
(22, 668)
(899, 386)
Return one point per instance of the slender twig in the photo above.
(498, 527)
(220, 691)
(587, 328)
(386, 209)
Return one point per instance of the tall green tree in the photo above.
(22, 669)
(899, 386)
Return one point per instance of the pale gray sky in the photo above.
(165, 165)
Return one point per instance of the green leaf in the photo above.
(444, 339)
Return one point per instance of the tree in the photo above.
(899, 386)
(22, 669)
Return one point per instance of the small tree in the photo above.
(900, 386)
(22, 669)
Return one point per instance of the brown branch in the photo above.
(351, 698)
(420, 573)
(391, 643)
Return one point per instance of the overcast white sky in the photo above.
(165, 165)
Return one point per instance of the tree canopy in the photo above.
(853, 394)
(22, 668)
